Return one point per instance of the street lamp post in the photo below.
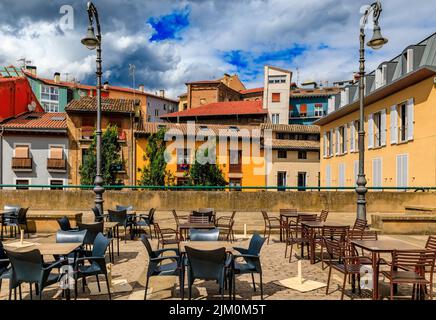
(375, 43)
(92, 42)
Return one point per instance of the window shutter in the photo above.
(352, 135)
(383, 127)
(22, 152)
(325, 145)
(394, 125)
(345, 138)
(337, 141)
(57, 153)
(402, 171)
(327, 176)
(410, 119)
(371, 131)
(332, 143)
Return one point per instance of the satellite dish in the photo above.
(32, 106)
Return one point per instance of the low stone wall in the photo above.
(385, 202)
(405, 224)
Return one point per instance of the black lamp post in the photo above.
(375, 43)
(92, 42)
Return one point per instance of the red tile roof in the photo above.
(222, 109)
(37, 121)
(107, 105)
(61, 83)
(130, 90)
(255, 90)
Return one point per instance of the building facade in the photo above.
(400, 140)
(35, 150)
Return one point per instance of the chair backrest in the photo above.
(176, 217)
(100, 246)
(11, 208)
(307, 218)
(256, 244)
(431, 243)
(204, 212)
(233, 215)
(368, 235)
(324, 215)
(419, 260)
(265, 216)
(121, 208)
(151, 215)
(199, 219)
(335, 248)
(147, 244)
(26, 266)
(204, 235)
(360, 225)
(158, 230)
(337, 233)
(22, 215)
(291, 210)
(207, 265)
(64, 224)
(3, 256)
(98, 217)
(118, 216)
(93, 229)
(71, 236)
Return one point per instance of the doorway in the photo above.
(302, 181)
(281, 181)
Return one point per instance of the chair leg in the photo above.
(254, 283)
(328, 281)
(31, 293)
(261, 285)
(19, 292)
(108, 286)
(83, 283)
(392, 290)
(146, 288)
(290, 253)
(343, 286)
(98, 283)
(75, 288)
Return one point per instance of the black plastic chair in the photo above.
(208, 265)
(123, 220)
(71, 237)
(29, 267)
(97, 265)
(252, 264)
(92, 231)
(204, 235)
(20, 220)
(157, 269)
(5, 270)
(11, 212)
(65, 225)
(97, 216)
(144, 221)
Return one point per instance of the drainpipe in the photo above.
(1, 157)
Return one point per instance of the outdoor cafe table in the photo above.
(185, 227)
(286, 216)
(376, 247)
(312, 228)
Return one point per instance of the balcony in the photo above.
(235, 168)
(87, 133)
(183, 167)
(296, 115)
(22, 164)
(57, 165)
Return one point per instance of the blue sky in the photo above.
(173, 42)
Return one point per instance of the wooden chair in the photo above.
(359, 225)
(323, 216)
(226, 224)
(210, 212)
(177, 219)
(167, 237)
(298, 235)
(368, 235)
(271, 223)
(333, 233)
(409, 267)
(341, 261)
(199, 219)
(286, 223)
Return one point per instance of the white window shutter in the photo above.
(352, 136)
(371, 131)
(406, 170)
(383, 127)
(328, 176)
(410, 119)
(325, 145)
(337, 141)
(345, 138)
(332, 143)
(394, 125)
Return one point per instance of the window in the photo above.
(354, 136)
(377, 129)
(282, 154)
(56, 153)
(403, 122)
(21, 152)
(275, 97)
(302, 181)
(183, 159)
(235, 183)
(56, 184)
(185, 106)
(319, 110)
(302, 155)
(276, 118)
(84, 154)
(50, 98)
(277, 79)
(328, 144)
(156, 113)
(22, 184)
(342, 140)
(303, 110)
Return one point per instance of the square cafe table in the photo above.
(376, 247)
(312, 227)
(46, 249)
(185, 227)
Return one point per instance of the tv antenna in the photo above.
(24, 62)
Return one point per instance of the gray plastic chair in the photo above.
(5, 270)
(204, 235)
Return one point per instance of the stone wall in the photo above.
(386, 202)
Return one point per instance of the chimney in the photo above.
(162, 93)
(106, 85)
(57, 77)
(32, 70)
(141, 88)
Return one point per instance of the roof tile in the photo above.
(108, 105)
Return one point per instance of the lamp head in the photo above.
(90, 41)
(377, 40)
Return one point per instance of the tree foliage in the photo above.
(112, 161)
(206, 174)
(154, 172)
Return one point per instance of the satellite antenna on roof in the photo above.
(24, 62)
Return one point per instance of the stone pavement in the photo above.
(132, 265)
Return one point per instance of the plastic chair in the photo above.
(65, 225)
(122, 219)
(144, 221)
(97, 216)
(252, 264)
(156, 267)
(204, 235)
(5, 270)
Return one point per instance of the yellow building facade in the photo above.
(400, 131)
